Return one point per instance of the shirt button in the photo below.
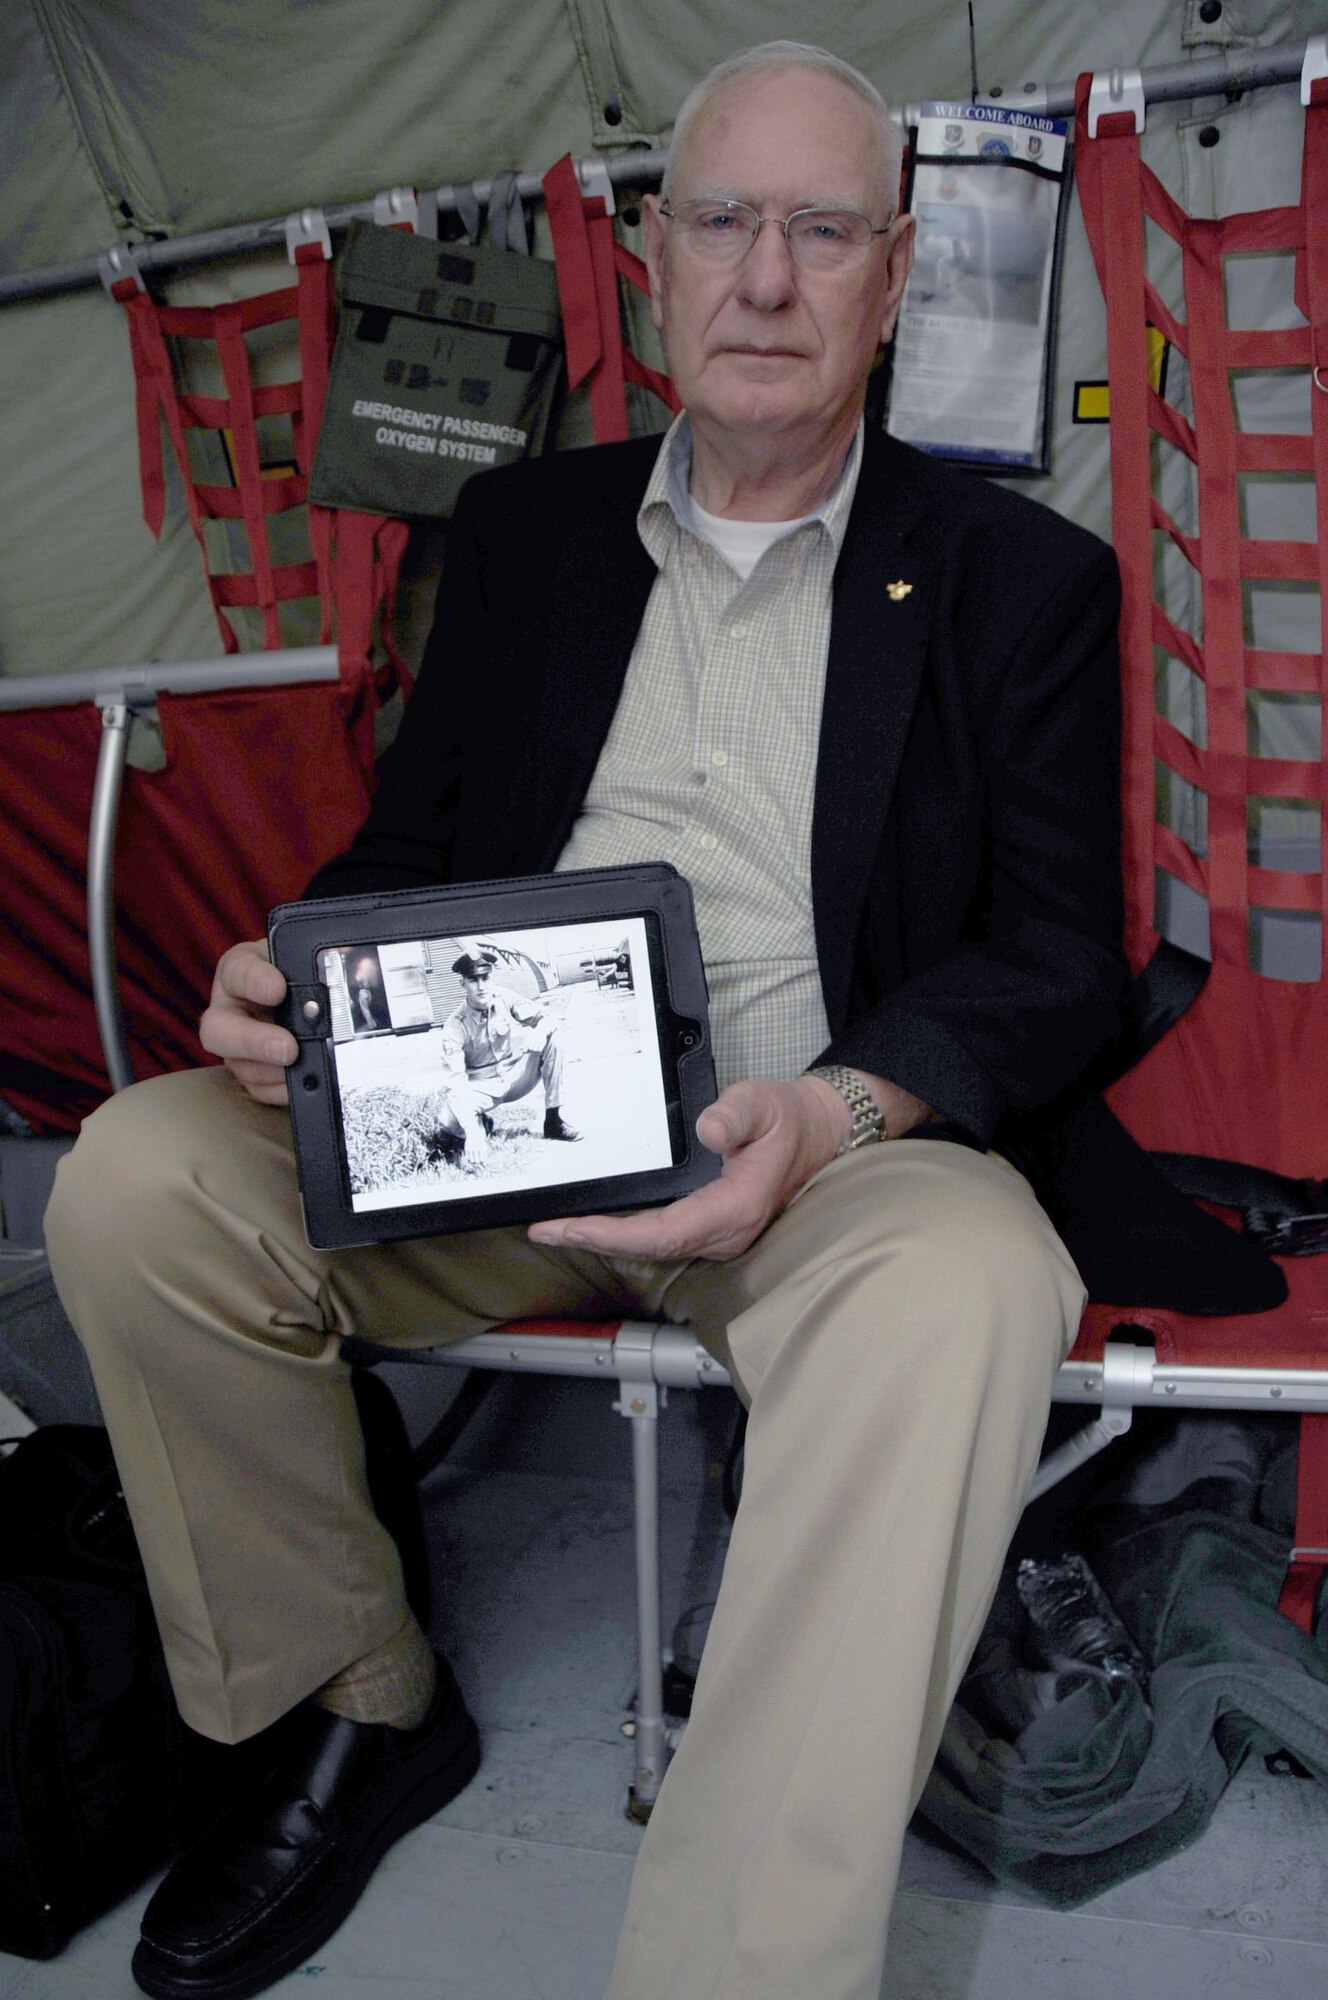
(709, 842)
(719, 759)
(738, 631)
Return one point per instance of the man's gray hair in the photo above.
(785, 56)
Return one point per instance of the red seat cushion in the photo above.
(1293, 1335)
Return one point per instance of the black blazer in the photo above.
(965, 838)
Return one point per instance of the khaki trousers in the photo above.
(896, 1333)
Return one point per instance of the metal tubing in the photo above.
(650, 1742)
(116, 690)
(677, 1360)
(101, 891)
(1077, 1451)
(637, 169)
(145, 681)
(522, 1354)
(1224, 75)
(1199, 1387)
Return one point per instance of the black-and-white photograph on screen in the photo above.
(475, 1065)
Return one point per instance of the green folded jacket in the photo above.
(1071, 1794)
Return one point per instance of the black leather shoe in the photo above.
(276, 1876)
(554, 1127)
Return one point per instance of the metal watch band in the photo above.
(868, 1118)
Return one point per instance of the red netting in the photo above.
(348, 564)
(1243, 1074)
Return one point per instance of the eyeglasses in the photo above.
(819, 239)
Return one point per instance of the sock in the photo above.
(392, 1684)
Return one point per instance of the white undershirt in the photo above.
(742, 543)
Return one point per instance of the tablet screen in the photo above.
(476, 1064)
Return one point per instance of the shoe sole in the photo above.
(161, 1981)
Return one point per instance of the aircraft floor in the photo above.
(515, 1892)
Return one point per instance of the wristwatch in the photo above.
(868, 1118)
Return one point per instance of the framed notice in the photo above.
(974, 348)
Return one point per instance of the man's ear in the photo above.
(654, 228)
(898, 263)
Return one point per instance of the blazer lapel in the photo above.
(601, 583)
(878, 641)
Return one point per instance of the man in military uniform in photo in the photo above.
(496, 1047)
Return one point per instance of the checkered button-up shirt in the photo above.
(710, 762)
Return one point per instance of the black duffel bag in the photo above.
(89, 1739)
(100, 1780)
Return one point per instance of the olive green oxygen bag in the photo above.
(448, 359)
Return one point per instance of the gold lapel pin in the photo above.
(898, 591)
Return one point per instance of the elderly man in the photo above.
(868, 707)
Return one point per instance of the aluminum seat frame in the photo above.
(645, 1359)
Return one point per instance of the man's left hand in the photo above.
(772, 1137)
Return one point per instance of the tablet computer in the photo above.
(495, 1052)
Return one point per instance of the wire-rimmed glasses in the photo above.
(819, 239)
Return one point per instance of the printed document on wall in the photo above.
(973, 348)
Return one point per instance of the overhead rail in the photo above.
(1227, 74)
(637, 169)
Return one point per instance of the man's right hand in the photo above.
(238, 1024)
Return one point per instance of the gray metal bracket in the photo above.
(307, 225)
(117, 264)
(1127, 1375)
(396, 205)
(639, 1400)
(1115, 90)
(593, 177)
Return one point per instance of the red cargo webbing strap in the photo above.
(229, 335)
(1314, 264)
(589, 262)
(316, 323)
(1110, 181)
(366, 555)
(1218, 555)
(1309, 1557)
(1116, 191)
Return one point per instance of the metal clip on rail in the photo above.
(1116, 90)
